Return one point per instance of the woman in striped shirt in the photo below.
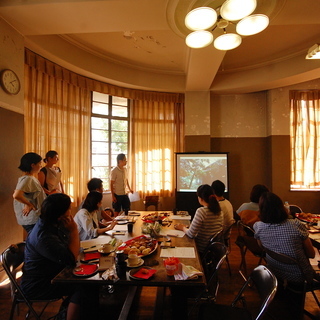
(207, 221)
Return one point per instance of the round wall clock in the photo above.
(9, 81)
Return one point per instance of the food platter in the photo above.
(143, 245)
(309, 217)
(155, 216)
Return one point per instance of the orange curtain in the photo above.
(305, 139)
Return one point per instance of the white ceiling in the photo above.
(140, 43)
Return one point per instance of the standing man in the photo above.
(119, 183)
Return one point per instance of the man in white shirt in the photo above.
(119, 184)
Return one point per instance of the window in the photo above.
(109, 134)
(305, 139)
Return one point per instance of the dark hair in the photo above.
(257, 191)
(218, 187)
(120, 156)
(205, 192)
(27, 160)
(54, 206)
(91, 201)
(50, 154)
(94, 184)
(271, 208)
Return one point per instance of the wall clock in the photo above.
(9, 81)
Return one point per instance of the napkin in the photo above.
(91, 256)
(188, 273)
(85, 269)
(142, 275)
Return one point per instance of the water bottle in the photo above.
(287, 206)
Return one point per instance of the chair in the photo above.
(151, 201)
(212, 260)
(12, 260)
(266, 285)
(226, 239)
(246, 241)
(304, 288)
(294, 209)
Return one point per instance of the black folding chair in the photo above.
(266, 285)
(12, 261)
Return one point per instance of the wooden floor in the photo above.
(111, 303)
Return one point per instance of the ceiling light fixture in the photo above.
(200, 19)
(314, 52)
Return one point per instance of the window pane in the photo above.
(99, 160)
(120, 101)
(101, 97)
(119, 125)
(119, 111)
(119, 147)
(100, 108)
(119, 136)
(99, 123)
(100, 147)
(99, 135)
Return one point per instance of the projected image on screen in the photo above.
(194, 170)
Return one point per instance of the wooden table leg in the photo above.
(127, 304)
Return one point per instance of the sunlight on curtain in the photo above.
(156, 134)
(57, 117)
(305, 139)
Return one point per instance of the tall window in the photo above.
(109, 133)
(305, 139)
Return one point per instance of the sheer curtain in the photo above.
(57, 117)
(305, 139)
(156, 134)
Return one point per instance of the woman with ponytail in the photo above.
(207, 220)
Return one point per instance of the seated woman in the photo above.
(52, 245)
(207, 220)
(280, 234)
(87, 220)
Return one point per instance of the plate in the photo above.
(122, 221)
(309, 217)
(151, 243)
(85, 270)
(134, 271)
(137, 265)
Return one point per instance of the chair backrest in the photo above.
(212, 260)
(151, 199)
(266, 285)
(294, 209)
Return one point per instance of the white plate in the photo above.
(135, 266)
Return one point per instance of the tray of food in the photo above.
(155, 216)
(142, 245)
(312, 218)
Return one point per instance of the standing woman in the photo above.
(207, 221)
(28, 195)
(50, 175)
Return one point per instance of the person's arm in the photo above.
(308, 248)
(105, 229)
(42, 180)
(181, 227)
(114, 199)
(19, 196)
(129, 186)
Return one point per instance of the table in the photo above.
(159, 279)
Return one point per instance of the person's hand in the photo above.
(112, 224)
(114, 199)
(179, 226)
(27, 208)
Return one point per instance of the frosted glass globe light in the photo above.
(233, 10)
(201, 18)
(252, 24)
(199, 39)
(227, 41)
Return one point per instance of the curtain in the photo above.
(57, 117)
(156, 134)
(305, 139)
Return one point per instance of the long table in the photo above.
(159, 279)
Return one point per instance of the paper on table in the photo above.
(178, 217)
(120, 227)
(188, 273)
(133, 197)
(172, 233)
(178, 252)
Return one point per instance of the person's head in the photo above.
(218, 187)
(92, 200)
(51, 156)
(205, 192)
(257, 191)
(121, 159)
(30, 161)
(54, 206)
(271, 208)
(95, 184)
